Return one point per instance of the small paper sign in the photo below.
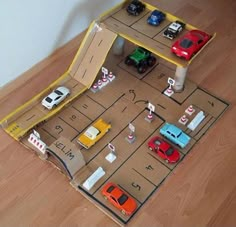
(111, 147)
(171, 81)
(131, 127)
(104, 70)
(151, 107)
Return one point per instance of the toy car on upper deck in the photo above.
(55, 97)
(120, 199)
(156, 18)
(173, 29)
(164, 149)
(190, 44)
(175, 135)
(93, 133)
(135, 8)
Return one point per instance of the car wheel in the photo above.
(151, 61)
(67, 95)
(123, 212)
(54, 106)
(128, 61)
(142, 69)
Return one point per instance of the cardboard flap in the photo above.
(68, 155)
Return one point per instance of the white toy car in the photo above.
(174, 29)
(54, 98)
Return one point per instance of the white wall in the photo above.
(31, 30)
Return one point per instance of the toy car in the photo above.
(174, 29)
(93, 133)
(141, 59)
(163, 149)
(135, 8)
(54, 98)
(175, 135)
(156, 18)
(190, 44)
(120, 199)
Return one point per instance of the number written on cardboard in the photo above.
(59, 129)
(138, 187)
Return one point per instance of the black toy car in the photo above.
(174, 29)
(135, 7)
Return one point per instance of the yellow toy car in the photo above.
(93, 133)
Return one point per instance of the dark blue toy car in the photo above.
(135, 8)
(156, 18)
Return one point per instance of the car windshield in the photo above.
(170, 151)
(157, 142)
(171, 30)
(153, 17)
(122, 199)
(110, 189)
(178, 135)
(132, 6)
(49, 100)
(186, 43)
(58, 92)
(92, 132)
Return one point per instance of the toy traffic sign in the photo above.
(131, 137)
(112, 155)
(151, 108)
(169, 91)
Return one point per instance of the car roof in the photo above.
(91, 132)
(174, 130)
(52, 95)
(174, 25)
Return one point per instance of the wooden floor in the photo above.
(200, 192)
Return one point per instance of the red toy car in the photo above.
(163, 149)
(119, 198)
(190, 44)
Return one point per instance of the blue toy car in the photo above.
(175, 135)
(156, 18)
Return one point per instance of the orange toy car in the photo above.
(119, 198)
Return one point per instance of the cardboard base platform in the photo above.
(136, 169)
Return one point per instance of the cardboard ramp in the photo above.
(92, 54)
(83, 70)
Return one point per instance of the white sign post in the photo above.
(105, 71)
(111, 148)
(151, 108)
(112, 154)
(169, 91)
(132, 128)
(131, 138)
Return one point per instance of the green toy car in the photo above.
(141, 59)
